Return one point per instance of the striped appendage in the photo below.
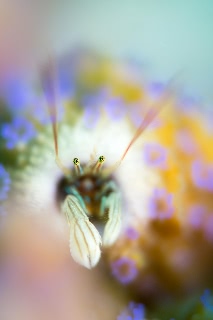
(84, 238)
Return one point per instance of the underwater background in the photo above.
(112, 63)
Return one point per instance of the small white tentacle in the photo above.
(113, 225)
(85, 239)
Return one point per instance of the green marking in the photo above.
(101, 159)
(76, 161)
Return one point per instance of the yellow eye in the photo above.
(76, 161)
(101, 159)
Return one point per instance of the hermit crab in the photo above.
(89, 194)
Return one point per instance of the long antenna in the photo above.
(154, 110)
(49, 87)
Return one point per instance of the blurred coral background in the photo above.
(114, 60)
(164, 36)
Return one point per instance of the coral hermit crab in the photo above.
(88, 193)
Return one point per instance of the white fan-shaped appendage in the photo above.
(113, 225)
(85, 243)
(85, 239)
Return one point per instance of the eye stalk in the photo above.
(99, 164)
(101, 159)
(76, 161)
(78, 167)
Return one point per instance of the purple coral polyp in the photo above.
(19, 131)
(134, 311)
(18, 94)
(196, 215)
(161, 204)
(124, 270)
(202, 175)
(115, 108)
(155, 155)
(208, 228)
(207, 300)
(132, 234)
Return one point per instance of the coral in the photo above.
(134, 311)
(19, 132)
(161, 204)
(155, 155)
(124, 270)
(162, 256)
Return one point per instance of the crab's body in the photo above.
(90, 198)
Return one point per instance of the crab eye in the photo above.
(76, 161)
(101, 159)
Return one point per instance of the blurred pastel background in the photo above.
(115, 58)
(165, 36)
